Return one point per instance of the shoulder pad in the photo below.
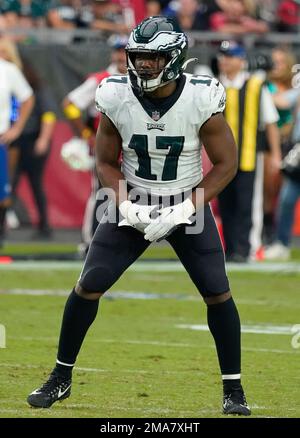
(109, 93)
(210, 93)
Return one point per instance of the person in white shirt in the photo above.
(12, 84)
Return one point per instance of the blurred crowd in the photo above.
(234, 16)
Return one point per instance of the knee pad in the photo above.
(97, 279)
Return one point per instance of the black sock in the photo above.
(268, 220)
(268, 229)
(2, 220)
(78, 316)
(231, 385)
(224, 323)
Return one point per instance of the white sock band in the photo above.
(231, 376)
(65, 364)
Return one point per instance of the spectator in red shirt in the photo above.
(289, 16)
(238, 18)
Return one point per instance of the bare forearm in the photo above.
(73, 114)
(109, 26)
(111, 177)
(46, 131)
(108, 150)
(221, 149)
(236, 29)
(214, 182)
(273, 137)
(81, 129)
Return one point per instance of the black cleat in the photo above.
(235, 403)
(56, 388)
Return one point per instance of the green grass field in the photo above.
(136, 360)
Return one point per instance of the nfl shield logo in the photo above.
(155, 115)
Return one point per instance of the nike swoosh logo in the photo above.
(61, 393)
(170, 212)
(36, 391)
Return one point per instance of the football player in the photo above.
(158, 116)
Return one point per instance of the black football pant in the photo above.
(113, 249)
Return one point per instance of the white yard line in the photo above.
(257, 329)
(145, 295)
(119, 294)
(153, 343)
(149, 266)
(104, 370)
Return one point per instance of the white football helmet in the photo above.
(161, 36)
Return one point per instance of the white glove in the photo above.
(168, 219)
(75, 153)
(135, 215)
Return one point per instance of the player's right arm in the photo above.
(108, 149)
(218, 140)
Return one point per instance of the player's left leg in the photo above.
(202, 256)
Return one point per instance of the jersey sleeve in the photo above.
(213, 100)
(107, 99)
(84, 95)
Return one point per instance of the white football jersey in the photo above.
(160, 140)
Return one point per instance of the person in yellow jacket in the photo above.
(250, 112)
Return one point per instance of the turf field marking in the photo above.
(103, 370)
(149, 266)
(10, 411)
(257, 329)
(69, 406)
(269, 350)
(154, 343)
(34, 292)
(119, 294)
(141, 295)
